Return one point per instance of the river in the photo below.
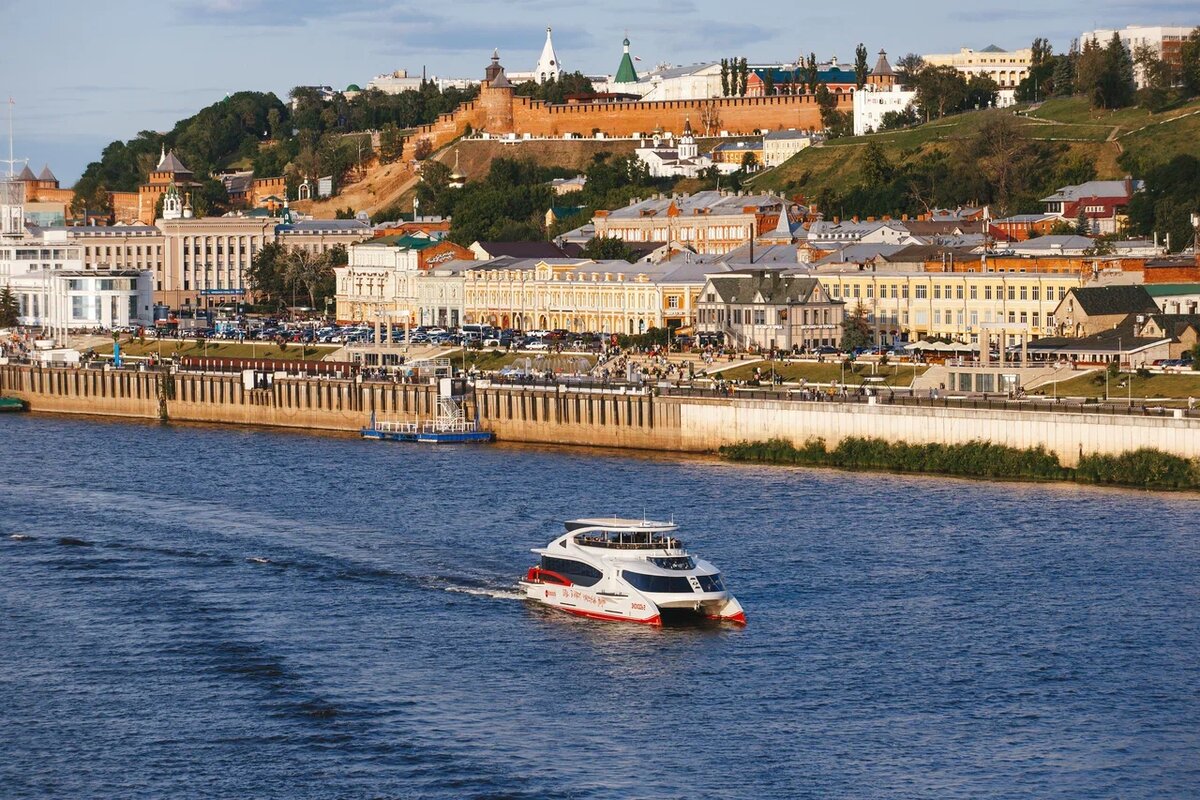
(205, 611)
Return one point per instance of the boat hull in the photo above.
(612, 607)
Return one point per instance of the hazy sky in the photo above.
(85, 73)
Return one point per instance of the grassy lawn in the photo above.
(492, 360)
(794, 372)
(218, 349)
(1180, 386)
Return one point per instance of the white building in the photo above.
(384, 281)
(1163, 40)
(1006, 68)
(400, 81)
(683, 160)
(870, 105)
(54, 288)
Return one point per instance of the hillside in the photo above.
(385, 186)
(1134, 136)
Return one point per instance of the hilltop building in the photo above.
(1163, 41)
(1006, 68)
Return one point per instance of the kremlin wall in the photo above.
(500, 113)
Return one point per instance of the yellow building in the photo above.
(1006, 68)
(581, 295)
(708, 222)
(912, 305)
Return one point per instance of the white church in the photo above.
(667, 158)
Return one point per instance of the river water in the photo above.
(219, 612)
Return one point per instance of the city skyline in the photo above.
(146, 77)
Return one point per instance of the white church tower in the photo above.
(687, 143)
(547, 67)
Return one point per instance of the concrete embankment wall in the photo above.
(588, 417)
(318, 404)
(707, 424)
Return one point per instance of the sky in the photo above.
(85, 73)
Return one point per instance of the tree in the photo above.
(391, 144)
(1040, 52)
(861, 70)
(836, 123)
(1118, 84)
(812, 75)
(856, 330)
(725, 77)
(266, 274)
(940, 90)
(981, 92)
(9, 308)
(607, 248)
(1064, 73)
(907, 69)
(769, 82)
(744, 72)
(311, 272)
(876, 168)
(1189, 73)
(1082, 226)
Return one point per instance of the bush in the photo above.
(1144, 468)
(1151, 469)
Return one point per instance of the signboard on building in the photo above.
(225, 292)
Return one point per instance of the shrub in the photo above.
(1152, 469)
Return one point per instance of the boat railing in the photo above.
(660, 543)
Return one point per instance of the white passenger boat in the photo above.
(627, 570)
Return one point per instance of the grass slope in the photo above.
(1100, 135)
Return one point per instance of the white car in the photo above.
(537, 346)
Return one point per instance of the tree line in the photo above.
(312, 136)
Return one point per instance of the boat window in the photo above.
(673, 562)
(711, 583)
(576, 572)
(662, 584)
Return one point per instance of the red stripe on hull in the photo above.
(739, 618)
(655, 620)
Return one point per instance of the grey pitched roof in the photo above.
(1093, 189)
(46, 174)
(326, 225)
(715, 201)
(27, 174)
(1107, 300)
(882, 67)
(775, 287)
(522, 249)
(171, 163)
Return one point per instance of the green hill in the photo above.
(1065, 131)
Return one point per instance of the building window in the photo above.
(921, 292)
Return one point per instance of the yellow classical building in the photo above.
(911, 305)
(583, 295)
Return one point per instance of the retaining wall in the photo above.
(558, 415)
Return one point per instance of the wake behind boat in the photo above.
(627, 570)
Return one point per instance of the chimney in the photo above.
(856, 218)
(1129, 186)
(870, 219)
(836, 220)
(904, 217)
(887, 217)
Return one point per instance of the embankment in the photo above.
(606, 418)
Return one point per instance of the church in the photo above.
(666, 159)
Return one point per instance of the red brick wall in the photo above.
(738, 115)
